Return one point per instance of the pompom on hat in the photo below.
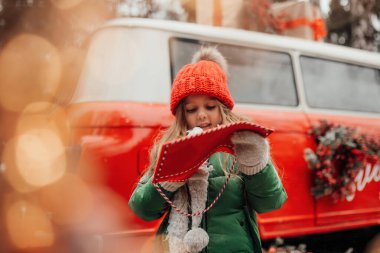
(206, 75)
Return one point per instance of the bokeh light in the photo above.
(69, 200)
(36, 156)
(65, 4)
(72, 61)
(89, 17)
(28, 225)
(30, 71)
(40, 156)
(39, 107)
(44, 115)
(11, 172)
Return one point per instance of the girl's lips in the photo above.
(205, 126)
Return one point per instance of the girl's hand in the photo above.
(252, 151)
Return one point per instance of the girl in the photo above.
(200, 99)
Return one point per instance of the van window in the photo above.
(340, 86)
(255, 76)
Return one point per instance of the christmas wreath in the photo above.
(340, 154)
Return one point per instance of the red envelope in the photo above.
(179, 159)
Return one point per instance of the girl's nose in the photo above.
(202, 114)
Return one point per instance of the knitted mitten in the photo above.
(252, 151)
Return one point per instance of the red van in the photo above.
(282, 83)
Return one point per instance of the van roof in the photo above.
(249, 38)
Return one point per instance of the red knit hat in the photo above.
(205, 76)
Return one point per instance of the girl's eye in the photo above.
(191, 110)
(210, 107)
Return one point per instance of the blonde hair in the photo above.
(178, 129)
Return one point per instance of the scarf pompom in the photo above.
(195, 240)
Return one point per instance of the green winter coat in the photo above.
(231, 223)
